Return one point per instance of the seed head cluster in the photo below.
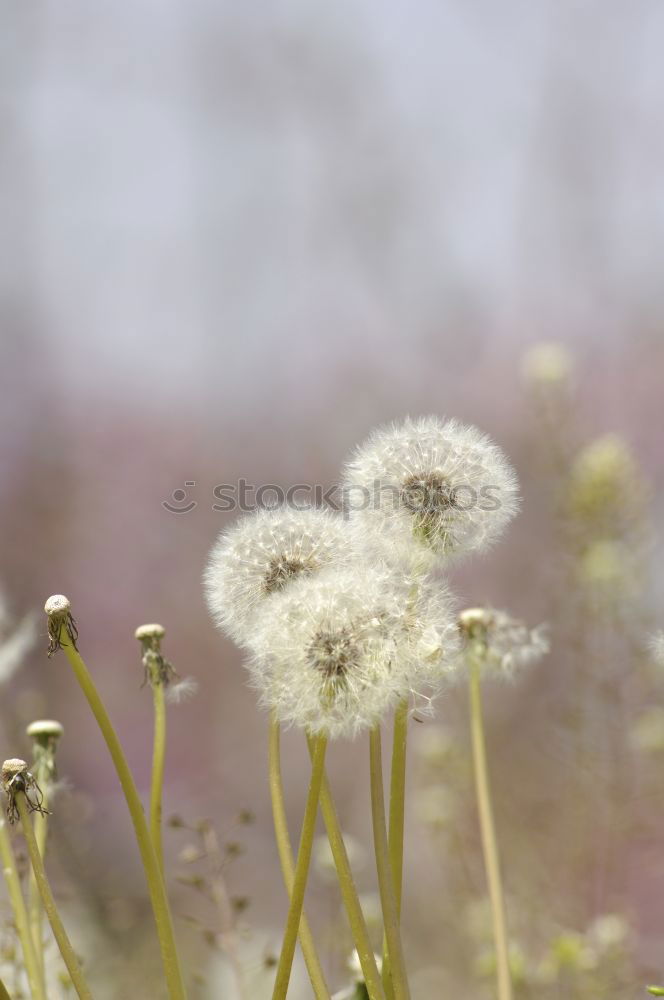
(341, 615)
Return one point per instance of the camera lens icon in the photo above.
(178, 503)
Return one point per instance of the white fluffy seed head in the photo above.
(430, 640)
(330, 654)
(262, 556)
(505, 644)
(430, 490)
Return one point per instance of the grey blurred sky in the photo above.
(234, 196)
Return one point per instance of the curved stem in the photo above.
(51, 910)
(162, 913)
(157, 782)
(387, 897)
(487, 826)
(41, 835)
(32, 967)
(301, 870)
(349, 892)
(285, 849)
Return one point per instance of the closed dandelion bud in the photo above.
(15, 777)
(60, 619)
(325, 655)
(547, 365)
(45, 735)
(606, 488)
(430, 489)
(262, 555)
(502, 643)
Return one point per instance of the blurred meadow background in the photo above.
(237, 238)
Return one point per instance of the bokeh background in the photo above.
(236, 238)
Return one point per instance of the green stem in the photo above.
(4, 993)
(162, 913)
(21, 920)
(285, 849)
(41, 835)
(398, 798)
(387, 896)
(397, 816)
(158, 758)
(349, 892)
(488, 831)
(301, 871)
(51, 910)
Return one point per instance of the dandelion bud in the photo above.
(429, 490)
(501, 642)
(45, 731)
(15, 777)
(45, 734)
(547, 364)
(262, 556)
(326, 654)
(12, 769)
(157, 669)
(606, 487)
(58, 611)
(150, 633)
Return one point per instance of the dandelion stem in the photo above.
(397, 798)
(487, 826)
(397, 815)
(32, 967)
(153, 874)
(285, 849)
(157, 783)
(51, 910)
(43, 778)
(385, 882)
(349, 892)
(301, 870)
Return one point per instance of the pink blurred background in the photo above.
(236, 239)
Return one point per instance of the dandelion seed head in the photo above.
(430, 489)
(262, 555)
(327, 654)
(505, 643)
